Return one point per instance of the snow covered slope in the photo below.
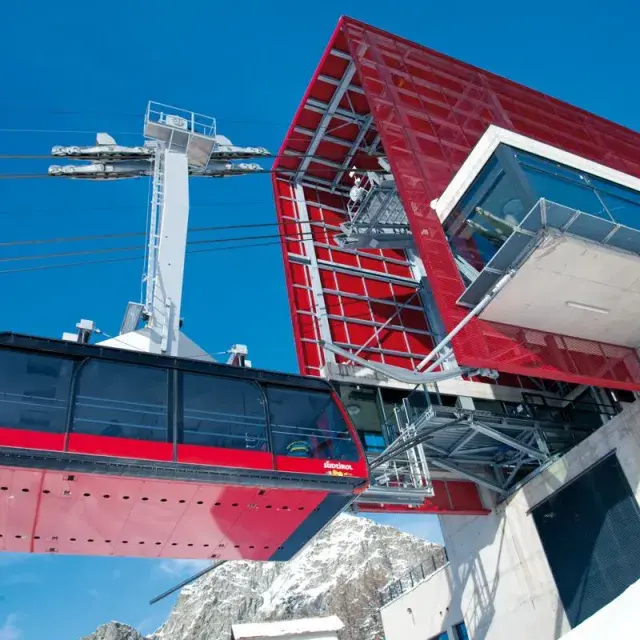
(340, 573)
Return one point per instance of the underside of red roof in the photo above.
(374, 94)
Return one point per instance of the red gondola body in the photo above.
(112, 452)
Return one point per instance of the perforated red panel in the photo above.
(365, 299)
(45, 512)
(430, 110)
(451, 497)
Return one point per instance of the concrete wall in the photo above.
(498, 573)
(424, 611)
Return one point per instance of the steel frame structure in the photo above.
(374, 94)
(179, 144)
(427, 111)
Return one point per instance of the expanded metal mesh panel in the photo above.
(600, 517)
(430, 110)
(364, 300)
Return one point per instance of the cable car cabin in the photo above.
(111, 452)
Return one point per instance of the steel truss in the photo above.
(492, 449)
(337, 158)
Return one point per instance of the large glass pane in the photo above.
(622, 210)
(121, 400)
(223, 412)
(362, 406)
(598, 513)
(373, 442)
(460, 632)
(582, 191)
(494, 206)
(577, 193)
(308, 424)
(34, 391)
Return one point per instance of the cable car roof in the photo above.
(76, 350)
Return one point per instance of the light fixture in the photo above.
(353, 409)
(513, 211)
(587, 307)
(132, 317)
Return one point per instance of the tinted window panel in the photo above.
(308, 424)
(577, 194)
(374, 442)
(222, 412)
(121, 400)
(34, 391)
(590, 531)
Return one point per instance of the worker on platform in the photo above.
(299, 449)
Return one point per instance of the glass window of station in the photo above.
(511, 184)
(363, 404)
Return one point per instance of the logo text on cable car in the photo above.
(338, 468)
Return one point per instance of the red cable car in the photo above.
(112, 452)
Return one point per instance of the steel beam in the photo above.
(389, 352)
(463, 442)
(317, 159)
(340, 54)
(319, 184)
(507, 440)
(367, 273)
(314, 273)
(341, 89)
(374, 144)
(312, 203)
(469, 475)
(317, 106)
(329, 138)
(336, 82)
(364, 129)
(514, 471)
(393, 495)
(356, 296)
(379, 326)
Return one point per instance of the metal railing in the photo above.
(414, 576)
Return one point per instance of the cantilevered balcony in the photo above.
(567, 229)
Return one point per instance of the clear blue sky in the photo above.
(247, 64)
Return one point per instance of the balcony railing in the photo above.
(414, 576)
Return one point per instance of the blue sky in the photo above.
(247, 64)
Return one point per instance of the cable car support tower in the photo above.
(179, 145)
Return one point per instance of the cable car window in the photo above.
(34, 391)
(223, 412)
(309, 424)
(121, 400)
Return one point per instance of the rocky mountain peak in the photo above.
(340, 572)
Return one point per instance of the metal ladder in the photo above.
(155, 219)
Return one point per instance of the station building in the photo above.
(462, 257)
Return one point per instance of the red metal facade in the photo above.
(361, 291)
(451, 497)
(429, 111)
(54, 512)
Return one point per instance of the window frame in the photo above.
(334, 403)
(80, 356)
(25, 353)
(79, 365)
(179, 395)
